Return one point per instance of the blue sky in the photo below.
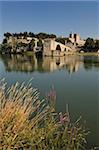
(58, 17)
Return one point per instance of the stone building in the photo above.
(12, 39)
(75, 39)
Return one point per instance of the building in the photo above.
(13, 39)
(75, 39)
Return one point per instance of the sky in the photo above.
(57, 17)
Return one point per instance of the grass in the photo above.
(30, 123)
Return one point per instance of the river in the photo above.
(75, 79)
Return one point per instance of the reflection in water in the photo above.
(25, 63)
(90, 62)
(18, 63)
(70, 63)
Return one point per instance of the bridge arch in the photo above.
(65, 49)
(58, 47)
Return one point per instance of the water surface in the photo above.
(75, 79)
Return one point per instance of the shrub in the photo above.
(30, 123)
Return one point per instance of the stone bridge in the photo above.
(51, 47)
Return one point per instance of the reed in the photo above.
(27, 122)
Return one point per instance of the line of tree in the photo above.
(63, 40)
(91, 44)
(30, 34)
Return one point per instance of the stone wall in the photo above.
(52, 47)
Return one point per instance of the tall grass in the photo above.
(30, 123)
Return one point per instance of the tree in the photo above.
(89, 44)
(5, 48)
(31, 34)
(39, 43)
(45, 35)
(42, 35)
(61, 40)
(97, 44)
(68, 40)
(4, 41)
(16, 35)
(25, 34)
(7, 35)
(20, 34)
(32, 42)
(31, 45)
(52, 36)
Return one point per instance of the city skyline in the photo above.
(56, 17)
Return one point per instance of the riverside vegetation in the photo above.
(26, 122)
(91, 45)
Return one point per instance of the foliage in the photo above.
(68, 40)
(97, 44)
(4, 41)
(28, 122)
(63, 40)
(5, 48)
(18, 35)
(31, 45)
(91, 45)
(60, 40)
(7, 34)
(52, 36)
(30, 34)
(45, 35)
(39, 43)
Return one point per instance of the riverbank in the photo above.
(66, 54)
(63, 54)
(88, 54)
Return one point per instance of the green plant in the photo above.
(31, 123)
